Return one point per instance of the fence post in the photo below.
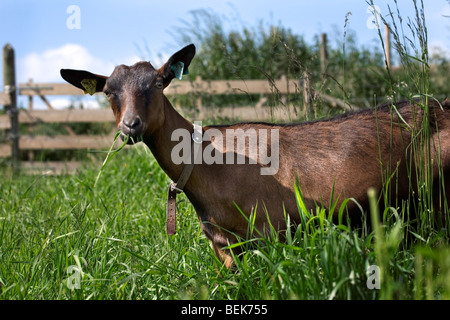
(387, 44)
(323, 53)
(9, 82)
(307, 98)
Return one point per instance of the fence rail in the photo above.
(59, 116)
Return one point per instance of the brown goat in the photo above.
(344, 156)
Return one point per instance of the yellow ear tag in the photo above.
(89, 85)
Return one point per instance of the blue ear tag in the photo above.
(178, 69)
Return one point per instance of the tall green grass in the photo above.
(114, 238)
(411, 46)
(114, 234)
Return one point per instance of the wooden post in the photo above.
(9, 82)
(387, 45)
(306, 93)
(30, 97)
(199, 84)
(323, 53)
(30, 127)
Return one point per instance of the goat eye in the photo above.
(107, 94)
(159, 84)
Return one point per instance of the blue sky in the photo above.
(110, 32)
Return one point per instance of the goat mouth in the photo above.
(130, 139)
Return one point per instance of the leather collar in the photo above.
(175, 188)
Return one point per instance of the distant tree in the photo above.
(249, 53)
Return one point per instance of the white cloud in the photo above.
(45, 66)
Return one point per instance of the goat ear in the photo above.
(178, 64)
(87, 81)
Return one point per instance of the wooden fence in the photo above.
(13, 117)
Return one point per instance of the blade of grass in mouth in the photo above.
(112, 153)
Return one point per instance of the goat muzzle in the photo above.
(132, 127)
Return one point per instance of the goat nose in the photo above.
(132, 125)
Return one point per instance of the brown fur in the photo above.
(350, 153)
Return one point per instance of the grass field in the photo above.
(62, 239)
